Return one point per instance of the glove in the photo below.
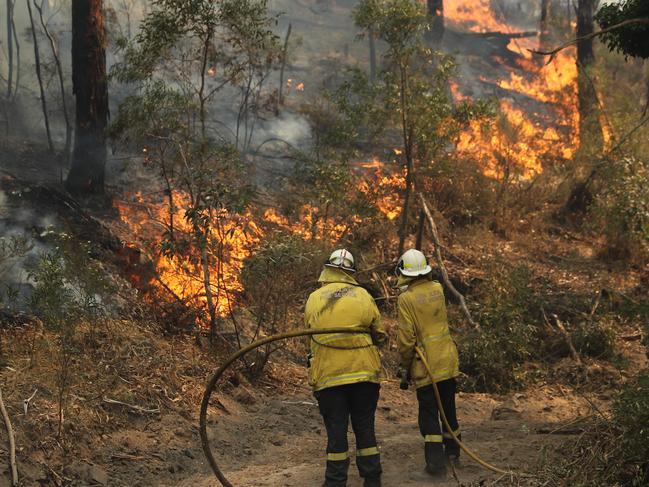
(404, 375)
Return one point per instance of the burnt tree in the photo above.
(589, 126)
(90, 87)
(436, 14)
(543, 24)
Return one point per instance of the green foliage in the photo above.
(68, 289)
(623, 208)
(277, 275)
(12, 248)
(232, 31)
(275, 278)
(630, 40)
(631, 415)
(595, 339)
(493, 358)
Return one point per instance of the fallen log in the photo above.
(442, 267)
(12, 442)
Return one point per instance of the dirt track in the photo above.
(281, 442)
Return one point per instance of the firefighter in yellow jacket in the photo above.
(345, 368)
(423, 323)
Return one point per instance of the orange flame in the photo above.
(533, 137)
(147, 221)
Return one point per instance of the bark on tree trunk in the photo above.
(372, 39)
(436, 14)
(420, 230)
(543, 24)
(91, 89)
(10, 49)
(589, 125)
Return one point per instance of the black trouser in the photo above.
(337, 404)
(430, 420)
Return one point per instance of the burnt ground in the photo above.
(269, 433)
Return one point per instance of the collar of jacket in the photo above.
(329, 275)
(407, 282)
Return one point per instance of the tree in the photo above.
(436, 14)
(589, 125)
(630, 40)
(184, 55)
(37, 65)
(90, 85)
(412, 90)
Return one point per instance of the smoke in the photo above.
(288, 127)
(21, 246)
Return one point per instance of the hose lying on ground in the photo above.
(211, 385)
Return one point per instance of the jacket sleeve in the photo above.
(406, 337)
(379, 336)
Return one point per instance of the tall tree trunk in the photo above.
(437, 27)
(372, 39)
(59, 71)
(589, 125)
(408, 152)
(420, 230)
(10, 47)
(91, 89)
(543, 24)
(37, 64)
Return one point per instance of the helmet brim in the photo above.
(344, 268)
(426, 270)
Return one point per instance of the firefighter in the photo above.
(423, 324)
(345, 368)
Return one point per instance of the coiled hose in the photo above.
(211, 385)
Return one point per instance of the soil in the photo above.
(281, 443)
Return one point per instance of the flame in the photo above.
(385, 188)
(540, 112)
(148, 220)
(300, 87)
(311, 223)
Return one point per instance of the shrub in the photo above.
(493, 358)
(595, 339)
(631, 414)
(622, 207)
(275, 278)
(68, 288)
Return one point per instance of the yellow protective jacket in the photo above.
(343, 358)
(423, 323)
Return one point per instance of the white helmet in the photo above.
(412, 264)
(342, 259)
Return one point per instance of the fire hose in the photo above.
(211, 385)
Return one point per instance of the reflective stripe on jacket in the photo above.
(342, 358)
(423, 323)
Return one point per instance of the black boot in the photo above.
(452, 451)
(435, 461)
(372, 482)
(336, 474)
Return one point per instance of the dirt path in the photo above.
(280, 442)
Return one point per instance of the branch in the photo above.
(12, 442)
(555, 51)
(132, 407)
(440, 262)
